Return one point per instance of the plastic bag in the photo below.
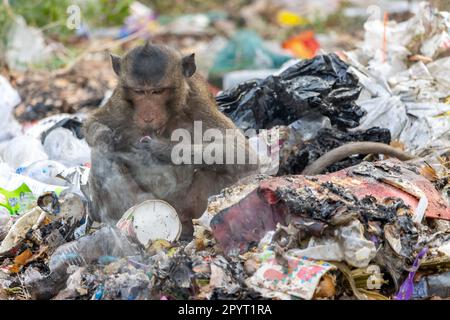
(11, 181)
(61, 145)
(22, 151)
(9, 99)
(387, 46)
(26, 45)
(68, 121)
(348, 244)
(245, 50)
(408, 105)
(319, 85)
(233, 78)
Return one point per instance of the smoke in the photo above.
(207, 161)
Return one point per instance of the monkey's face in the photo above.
(150, 109)
(154, 79)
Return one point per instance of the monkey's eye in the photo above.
(158, 91)
(139, 91)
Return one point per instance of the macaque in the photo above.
(130, 138)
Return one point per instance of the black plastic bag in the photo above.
(319, 85)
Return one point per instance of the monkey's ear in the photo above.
(115, 60)
(188, 64)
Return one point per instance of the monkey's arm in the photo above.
(97, 133)
(228, 162)
(349, 149)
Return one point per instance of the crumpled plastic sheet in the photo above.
(322, 85)
(409, 98)
(9, 99)
(423, 126)
(347, 244)
(426, 33)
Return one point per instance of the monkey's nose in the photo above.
(147, 120)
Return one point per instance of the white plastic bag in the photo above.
(10, 180)
(22, 151)
(9, 98)
(61, 145)
(348, 244)
(26, 45)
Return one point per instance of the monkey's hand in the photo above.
(100, 137)
(157, 148)
(143, 153)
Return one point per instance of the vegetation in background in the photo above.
(51, 15)
(106, 12)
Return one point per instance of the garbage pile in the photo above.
(354, 233)
(312, 102)
(369, 228)
(403, 70)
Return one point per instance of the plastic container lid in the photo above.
(154, 220)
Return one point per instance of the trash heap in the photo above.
(312, 104)
(370, 228)
(403, 69)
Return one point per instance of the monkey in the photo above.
(352, 148)
(158, 92)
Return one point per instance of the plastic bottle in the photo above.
(44, 171)
(107, 241)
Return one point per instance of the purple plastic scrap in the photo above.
(407, 287)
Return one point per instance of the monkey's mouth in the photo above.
(145, 139)
(151, 134)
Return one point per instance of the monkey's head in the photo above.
(154, 82)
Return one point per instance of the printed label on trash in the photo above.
(18, 200)
(13, 181)
(299, 279)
